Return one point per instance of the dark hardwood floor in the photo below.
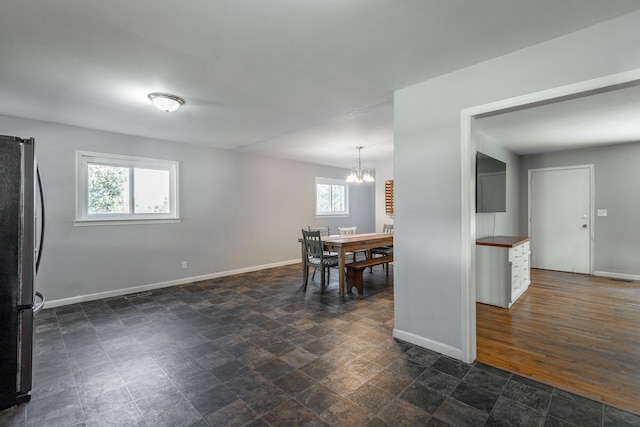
(576, 332)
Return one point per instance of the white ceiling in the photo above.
(305, 80)
(612, 117)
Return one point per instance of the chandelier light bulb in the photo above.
(359, 175)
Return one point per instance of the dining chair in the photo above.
(384, 250)
(347, 230)
(315, 257)
(343, 231)
(324, 231)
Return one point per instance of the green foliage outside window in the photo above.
(122, 189)
(108, 189)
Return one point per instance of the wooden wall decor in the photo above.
(388, 197)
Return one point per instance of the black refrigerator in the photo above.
(20, 198)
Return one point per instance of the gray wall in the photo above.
(434, 274)
(616, 177)
(238, 211)
(384, 172)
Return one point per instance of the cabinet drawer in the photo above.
(515, 253)
(526, 248)
(515, 286)
(515, 273)
(525, 275)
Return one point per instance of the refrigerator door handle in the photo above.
(41, 243)
(40, 306)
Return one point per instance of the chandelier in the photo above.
(358, 174)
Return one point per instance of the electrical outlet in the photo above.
(184, 264)
(602, 212)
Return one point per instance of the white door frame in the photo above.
(467, 181)
(591, 201)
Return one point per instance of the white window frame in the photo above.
(84, 158)
(332, 181)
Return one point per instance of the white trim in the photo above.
(84, 158)
(592, 204)
(468, 243)
(99, 222)
(331, 181)
(570, 91)
(436, 346)
(622, 276)
(143, 288)
(131, 160)
(602, 84)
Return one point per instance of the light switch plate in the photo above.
(602, 212)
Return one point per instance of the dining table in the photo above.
(343, 243)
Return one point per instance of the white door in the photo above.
(560, 209)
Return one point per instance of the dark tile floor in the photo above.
(255, 350)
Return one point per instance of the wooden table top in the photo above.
(338, 239)
(503, 241)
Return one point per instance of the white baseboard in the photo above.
(144, 288)
(436, 346)
(616, 275)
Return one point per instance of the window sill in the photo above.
(141, 221)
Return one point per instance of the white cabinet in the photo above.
(502, 269)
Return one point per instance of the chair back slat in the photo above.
(313, 243)
(347, 230)
(324, 231)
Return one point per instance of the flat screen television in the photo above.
(491, 184)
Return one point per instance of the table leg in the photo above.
(341, 268)
(305, 270)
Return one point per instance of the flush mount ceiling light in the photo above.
(358, 174)
(166, 101)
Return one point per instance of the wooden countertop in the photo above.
(503, 241)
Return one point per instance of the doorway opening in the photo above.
(468, 148)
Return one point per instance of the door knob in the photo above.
(584, 225)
